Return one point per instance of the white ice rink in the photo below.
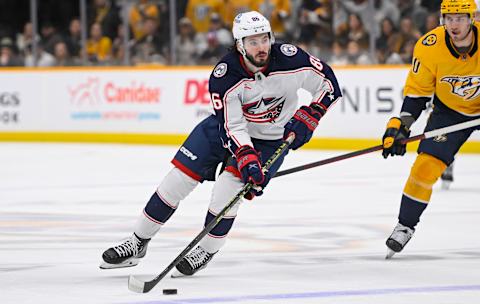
(315, 237)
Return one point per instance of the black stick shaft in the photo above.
(429, 134)
(280, 150)
(341, 157)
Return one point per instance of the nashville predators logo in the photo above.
(440, 138)
(466, 87)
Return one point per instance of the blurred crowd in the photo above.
(340, 32)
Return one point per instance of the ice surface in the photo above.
(314, 237)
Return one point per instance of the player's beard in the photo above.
(259, 63)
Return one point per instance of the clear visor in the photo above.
(256, 40)
(449, 19)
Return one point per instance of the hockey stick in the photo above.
(140, 286)
(429, 134)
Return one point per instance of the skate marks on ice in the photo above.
(284, 297)
(286, 247)
(22, 267)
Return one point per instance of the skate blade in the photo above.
(446, 185)
(390, 254)
(177, 274)
(129, 263)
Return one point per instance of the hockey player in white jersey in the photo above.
(253, 91)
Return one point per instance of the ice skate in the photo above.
(447, 177)
(197, 259)
(127, 254)
(398, 239)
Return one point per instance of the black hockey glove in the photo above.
(396, 131)
(302, 124)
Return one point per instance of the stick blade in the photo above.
(136, 285)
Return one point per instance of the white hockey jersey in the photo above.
(259, 105)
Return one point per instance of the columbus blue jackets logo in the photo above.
(467, 87)
(288, 49)
(220, 70)
(263, 110)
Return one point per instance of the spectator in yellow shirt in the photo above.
(99, 47)
(199, 11)
(138, 14)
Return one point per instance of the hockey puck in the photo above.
(170, 291)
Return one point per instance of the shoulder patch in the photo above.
(430, 40)
(220, 70)
(288, 49)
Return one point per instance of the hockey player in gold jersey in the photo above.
(445, 67)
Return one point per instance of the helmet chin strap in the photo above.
(241, 48)
(251, 65)
(245, 57)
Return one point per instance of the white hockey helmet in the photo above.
(249, 24)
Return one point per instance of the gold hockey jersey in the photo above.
(439, 69)
(199, 12)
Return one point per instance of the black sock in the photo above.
(410, 212)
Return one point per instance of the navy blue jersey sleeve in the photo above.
(414, 106)
(224, 85)
(329, 92)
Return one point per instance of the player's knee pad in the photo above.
(175, 187)
(225, 188)
(425, 172)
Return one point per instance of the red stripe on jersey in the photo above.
(187, 171)
(299, 70)
(223, 217)
(233, 170)
(151, 218)
(165, 201)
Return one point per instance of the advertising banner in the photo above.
(20, 101)
(173, 101)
